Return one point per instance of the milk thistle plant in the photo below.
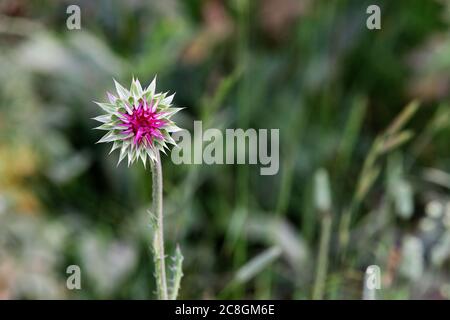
(139, 126)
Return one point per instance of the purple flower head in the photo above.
(138, 121)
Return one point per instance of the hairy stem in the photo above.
(158, 237)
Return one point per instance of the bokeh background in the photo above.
(364, 175)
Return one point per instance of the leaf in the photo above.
(257, 264)
(366, 182)
(351, 131)
(396, 141)
(400, 121)
(177, 274)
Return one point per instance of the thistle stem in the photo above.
(158, 237)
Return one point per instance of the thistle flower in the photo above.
(138, 121)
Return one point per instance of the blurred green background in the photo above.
(360, 182)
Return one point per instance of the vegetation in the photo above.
(364, 148)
